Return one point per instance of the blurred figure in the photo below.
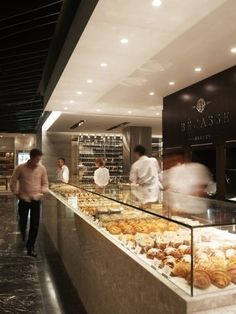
(101, 175)
(144, 176)
(187, 178)
(62, 172)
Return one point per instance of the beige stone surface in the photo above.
(110, 281)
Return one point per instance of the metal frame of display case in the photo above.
(168, 218)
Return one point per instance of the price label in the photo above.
(166, 271)
(137, 249)
(156, 263)
(130, 245)
(72, 201)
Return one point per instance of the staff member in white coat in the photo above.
(62, 172)
(144, 174)
(101, 175)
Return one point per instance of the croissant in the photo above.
(220, 278)
(232, 272)
(181, 269)
(114, 229)
(201, 279)
(232, 261)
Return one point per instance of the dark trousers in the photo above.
(23, 210)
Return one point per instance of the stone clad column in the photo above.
(132, 136)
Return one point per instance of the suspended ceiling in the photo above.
(164, 44)
(32, 37)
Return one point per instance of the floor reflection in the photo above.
(29, 285)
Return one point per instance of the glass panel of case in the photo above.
(177, 239)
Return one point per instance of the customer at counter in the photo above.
(101, 175)
(144, 176)
(62, 172)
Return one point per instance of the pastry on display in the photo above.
(113, 229)
(184, 249)
(172, 252)
(232, 261)
(162, 243)
(155, 253)
(146, 243)
(230, 253)
(220, 278)
(186, 258)
(128, 229)
(181, 269)
(232, 271)
(201, 279)
(170, 261)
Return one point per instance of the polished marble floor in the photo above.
(27, 284)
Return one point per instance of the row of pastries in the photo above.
(165, 242)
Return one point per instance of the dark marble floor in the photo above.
(27, 284)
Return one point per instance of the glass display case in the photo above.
(190, 241)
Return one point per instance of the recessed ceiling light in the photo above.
(98, 110)
(156, 3)
(172, 83)
(198, 69)
(89, 81)
(79, 93)
(124, 40)
(103, 65)
(233, 50)
(158, 114)
(71, 101)
(151, 93)
(129, 112)
(65, 108)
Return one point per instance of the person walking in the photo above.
(29, 183)
(62, 172)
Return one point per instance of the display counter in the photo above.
(144, 259)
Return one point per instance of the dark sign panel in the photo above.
(202, 113)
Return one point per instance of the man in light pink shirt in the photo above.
(29, 183)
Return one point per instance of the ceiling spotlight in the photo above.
(76, 125)
(129, 112)
(79, 93)
(158, 114)
(103, 65)
(156, 3)
(65, 108)
(233, 50)
(171, 83)
(151, 93)
(98, 110)
(198, 69)
(124, 41)
(89, 81)
(72, 102)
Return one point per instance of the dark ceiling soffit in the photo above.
(68, 41)
(41, 120)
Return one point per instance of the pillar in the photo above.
(132, 136)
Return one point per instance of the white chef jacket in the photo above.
(144, 172)
(101, 176)
(63, 174)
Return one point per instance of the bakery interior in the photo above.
(160, 74)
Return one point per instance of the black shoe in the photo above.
(31, 252)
